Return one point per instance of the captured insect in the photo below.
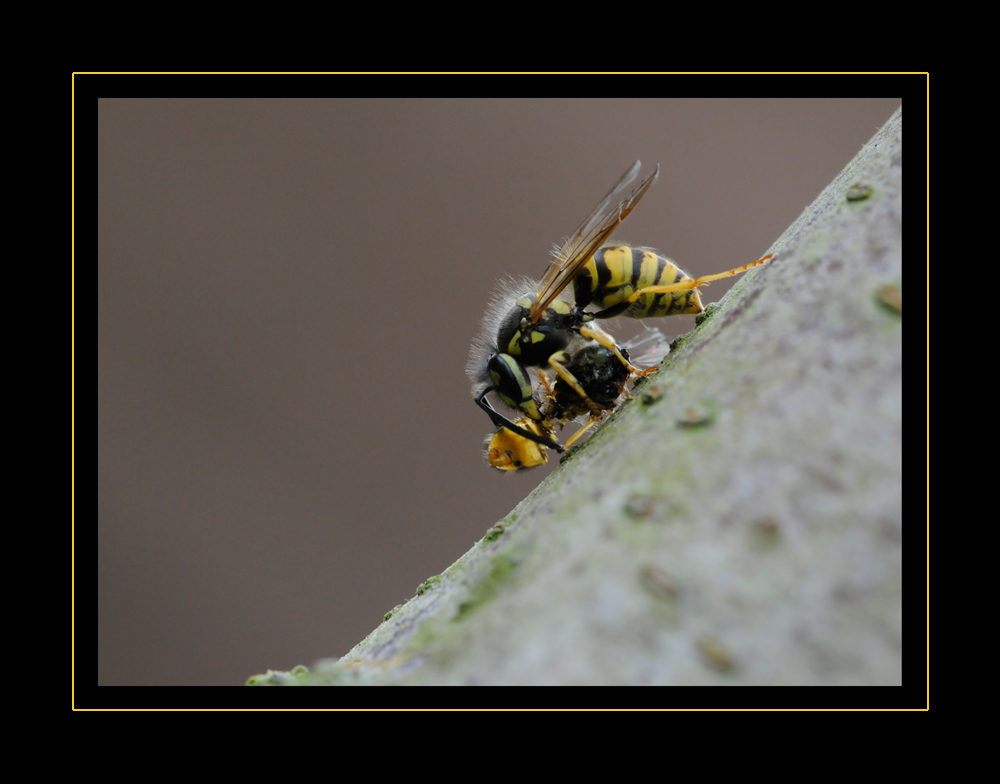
(529, 331)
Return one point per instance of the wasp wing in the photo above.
(582, 243)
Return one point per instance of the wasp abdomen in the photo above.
(614, 273)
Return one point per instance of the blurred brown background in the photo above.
(287, 290)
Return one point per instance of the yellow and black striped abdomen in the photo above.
(615, 273)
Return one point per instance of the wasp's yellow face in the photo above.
(508, 451)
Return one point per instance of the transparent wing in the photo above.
(582, 243)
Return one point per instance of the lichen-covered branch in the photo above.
(739, 522)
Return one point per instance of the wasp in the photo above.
(602, 376)
(529, 330)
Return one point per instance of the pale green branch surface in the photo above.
(739, 522)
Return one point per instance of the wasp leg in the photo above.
(691, 283)
(543, 384)
(556, 363)
(500, 420)
(593, 332)
(594, 419)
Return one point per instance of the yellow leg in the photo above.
(594, 419)
(555, 362)
(691, 283)
(593, 332)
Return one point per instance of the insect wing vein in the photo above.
(591, 234)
